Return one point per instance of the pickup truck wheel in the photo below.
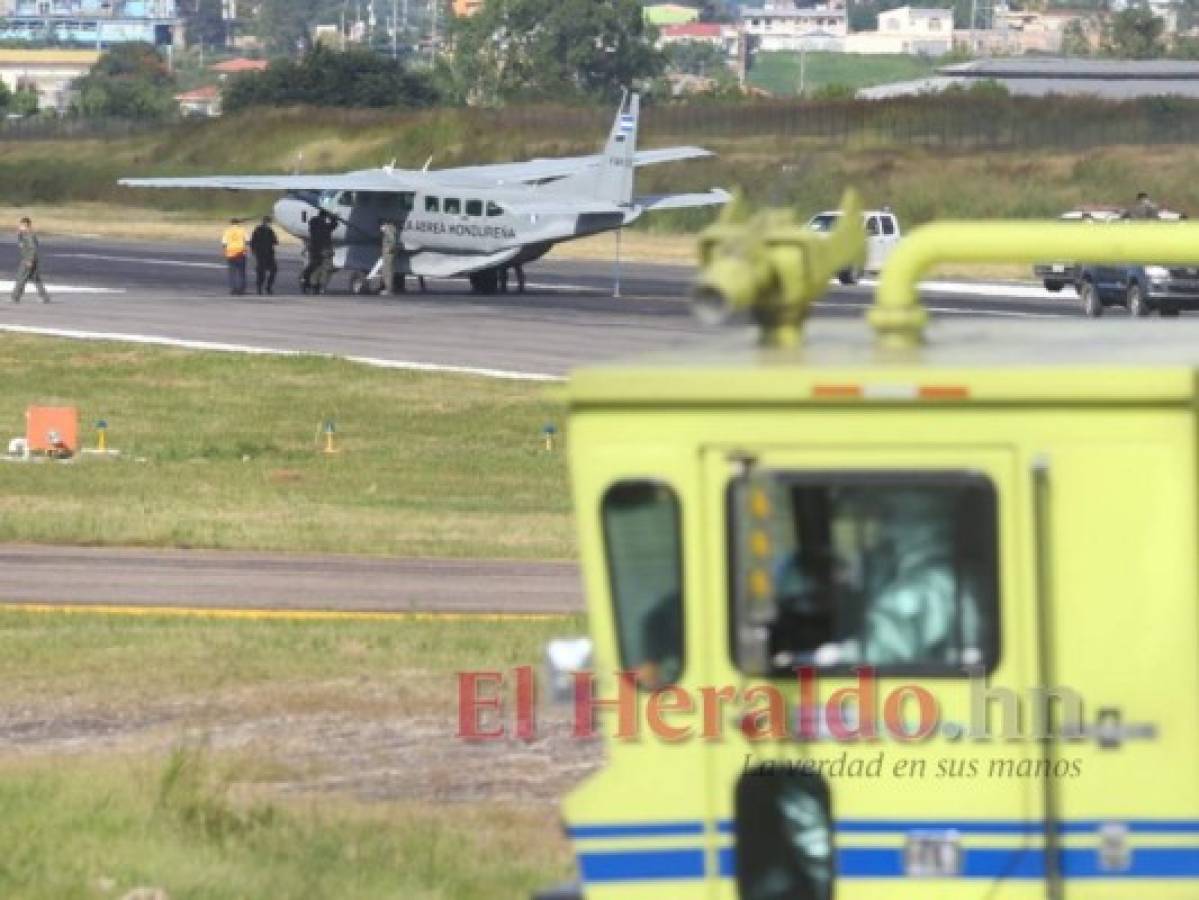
(1092, 306)
(1138, 306)
(849, 276)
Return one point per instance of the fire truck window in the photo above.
(644, 547)
(784, 836)
(896, 571)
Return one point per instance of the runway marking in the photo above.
(218, 347)
(7, 286)
(981, 289)
(140, 260)
(950, 310)
(278, 615)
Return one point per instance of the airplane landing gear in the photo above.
(360, 282)
(485, 282)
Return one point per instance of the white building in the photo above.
(50, 72)
(786, 27)
(909, 29)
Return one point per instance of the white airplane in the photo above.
(473, 221)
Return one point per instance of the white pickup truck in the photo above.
(882, 235)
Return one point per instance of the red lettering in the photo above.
(586, 705)
(671, 699)
(865, 695)
(470, 705)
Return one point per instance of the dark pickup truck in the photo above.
(1141, 290)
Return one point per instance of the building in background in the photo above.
(783, 26)
(96, 24)
(464, 9)
(203, 102)
(721, 35)
(1029, 76)
(909, 29)
(50, 72)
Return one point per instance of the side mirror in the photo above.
(563, 658)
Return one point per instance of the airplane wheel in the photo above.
(359, 283)
(486, 282)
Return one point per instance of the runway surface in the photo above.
(569, 316)
(177, 293)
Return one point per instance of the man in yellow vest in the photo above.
(234, 241)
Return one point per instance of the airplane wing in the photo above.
(714, 197)
(377, 181)
(537, 170)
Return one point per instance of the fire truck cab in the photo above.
(911, 614)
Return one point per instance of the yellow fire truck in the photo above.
(909, 610)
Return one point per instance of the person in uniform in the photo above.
(263, 242)
(234, 242)
(29, 268)
(391, 243)
(320, 240)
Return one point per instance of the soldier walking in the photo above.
(263, 242)
(30, 266)
(391, 243)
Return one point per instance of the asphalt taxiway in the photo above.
(177, 293)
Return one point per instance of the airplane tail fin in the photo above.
(614, 178)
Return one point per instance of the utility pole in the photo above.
(395, 29)
(433, 35)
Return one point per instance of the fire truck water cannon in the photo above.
(771, 266)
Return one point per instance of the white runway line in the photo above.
(52, 288)
(219, 347)
(1009, 291)
(140, 260)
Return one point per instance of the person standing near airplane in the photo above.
(30, 266)
(263, 242)
(234, 242)
(391, 243)
(320, 254)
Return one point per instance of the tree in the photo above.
(695, 58)
(205, 25)
(285, 26)
(25, 101)
(1135, 33)
(5, 97)
(129, 81)
(552, 49)
(1075, 41)
(325, 77)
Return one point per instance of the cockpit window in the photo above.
(642, 534)
(474, 207)
(494, 209)
(897, 571)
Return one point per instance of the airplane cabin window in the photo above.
(453, 207)
(474, 207)
(407, 202)
(346, 198)
(494, 209)
(432, 204)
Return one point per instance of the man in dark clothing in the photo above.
(320, 252)
(1144, 208)
(263, 242)
(30, 266)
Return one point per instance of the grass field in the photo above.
(779, 73)
(218, 759)
(222, 451)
